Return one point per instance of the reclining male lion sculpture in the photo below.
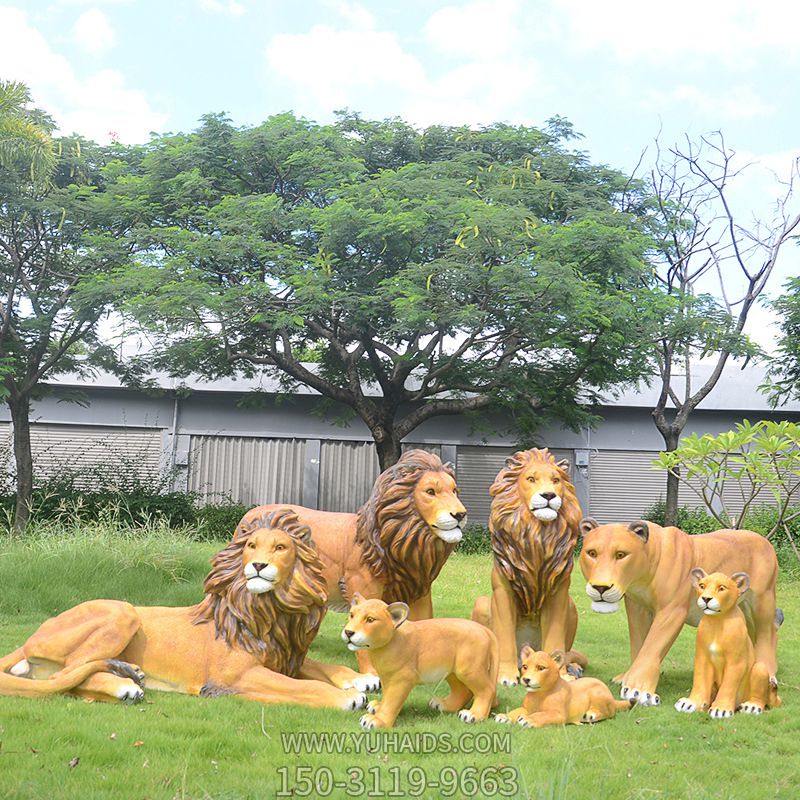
(394, 547)
(265, 599)
(651, 567)
(534, 526)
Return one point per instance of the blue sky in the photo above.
(620, 70)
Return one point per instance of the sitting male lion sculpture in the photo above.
(650, 567)
(394, 547)
(534, 526)
(264, 602)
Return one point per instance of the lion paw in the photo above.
(589, 716)
(686, 706)
(370, 721)
(465, 715)
(503, 719)
(720, 713)
(639, 696)
(123, 669)
(355, 701)
(524, 722)
(619, 679)
(130, 692)
(508, 678)
(365, 683)
(751, 708)
(436, 703)
(373, 706)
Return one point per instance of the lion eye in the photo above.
(721, 588)
(621, 555)
(370, 619)
(541, 667)
(531, 479)
(280, 546)
(591, 553)
(556, 480)
(431, 492)
(252, 545)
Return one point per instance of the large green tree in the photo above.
(62, 232)
(423, 273)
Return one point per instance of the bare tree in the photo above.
(712, 267)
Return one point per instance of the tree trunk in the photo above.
(23, 459)
(387, 443)
(671, 503)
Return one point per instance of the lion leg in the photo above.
(421, 608)
(765, 641)
(64, 680)
(339, 676)
(504, 626)
(482, 611)
(265, 686)
(559, 622)
(483, 692)
(457, 698)
(758, 691)
(106, 687)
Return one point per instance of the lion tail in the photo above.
(63, 681)
(779, 617)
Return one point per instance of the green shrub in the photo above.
(691, 520)
(217, 522)
(477, 539)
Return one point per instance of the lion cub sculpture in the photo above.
(726, 675)
(552, 700)
(463, 652)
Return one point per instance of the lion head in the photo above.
(613, 558)
(266, 592)
(410, 524)
(372, 623)
(534, 525)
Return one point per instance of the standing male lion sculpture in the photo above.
(534, 526)
(265, 599)
(394, 547)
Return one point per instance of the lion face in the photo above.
(541, 488)
(268, 558)
(538, 670)
(436, 499)
(372, 623)
(613, 558)
(717, 593)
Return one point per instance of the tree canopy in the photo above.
(420, 272)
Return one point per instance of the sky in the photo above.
(622, 71)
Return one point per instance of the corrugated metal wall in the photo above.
(95, 454)
(476, 470)
(247, 470)
(348, 471)
(623, 486)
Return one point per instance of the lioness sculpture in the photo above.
(650, 567)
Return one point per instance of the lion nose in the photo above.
(706, 600)
(600, 588)
(526, 680)
(258, 566)
(548, 495)
(459, 515)
(348, 633)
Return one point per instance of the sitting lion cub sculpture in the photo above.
(552, 700)
(534, 523)
(463, 652)
(727, 676)
(263, 605)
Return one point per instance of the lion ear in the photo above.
(526, 652)
(513, 461)
(356, 599)
(588, 524)
(558, 656)
(742, 580)
(563, 464)
(399, 613)
(697, 574)
(641, 529)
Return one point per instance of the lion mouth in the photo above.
(604, 607)
(259, 585)
(449, 535)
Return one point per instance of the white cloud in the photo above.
(353, 13)
(730, 29)
(231, 7)
(370, 70)
(738, 102)
(94, 33)
(94, 106)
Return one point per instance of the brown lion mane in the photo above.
(534, 556)
(277, 626)
(397, 545)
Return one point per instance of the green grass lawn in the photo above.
(185, 747)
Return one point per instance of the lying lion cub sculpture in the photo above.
(551, 700)
(650, 567)
(265, 600)
(727, 676)
(463, 652)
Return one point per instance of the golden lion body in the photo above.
(534, 526)
(236, 641)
